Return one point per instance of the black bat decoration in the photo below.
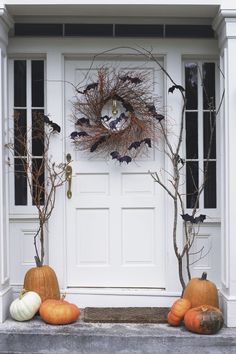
(180, 160)
(89, 87)
(55, 126)
(133, 80)
(125, 158)
(46, 119)
(97, 143)
(148, 142)
(136, 144)
(83, 121)
(114, 123)
(159, 117)
(74, 135)
(117, 156)
(177, 87)
(114, 154)
(198, 219)
(152, 110)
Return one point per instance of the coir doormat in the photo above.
(126, 314)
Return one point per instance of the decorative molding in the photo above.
(225, 25)
(228, 306)
(6, 22)
(6, 18)
(5, 300)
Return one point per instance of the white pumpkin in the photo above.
(25, 306)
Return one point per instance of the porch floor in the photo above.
(91, 338)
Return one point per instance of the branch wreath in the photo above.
(116, 115)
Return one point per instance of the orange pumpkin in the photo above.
(201, 291)
(177, 311)
(42, 280)
(204, 319)
(173, 320)
(58, 312)
(180, 307)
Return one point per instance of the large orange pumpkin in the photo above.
(58, 312)
(42, 280)
(201, 291)
(204, 319)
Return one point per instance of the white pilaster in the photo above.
(5, 290)
(225, 24)
(55, 107)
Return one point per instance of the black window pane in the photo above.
(38, 181)
(191, 124)
(189, 31)
(191, 85)
(20, 83)
(210, 185)
(208, 74)
(209, 135)
(37, 85)
(139, 30)
(20, 182)
(86, 30)
(191, 183)
(20, 132)
(38, 29)
(37, 132)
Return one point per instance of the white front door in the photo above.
(115, 218)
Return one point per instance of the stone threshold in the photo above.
(36, 337)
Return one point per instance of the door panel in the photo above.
(115, 218)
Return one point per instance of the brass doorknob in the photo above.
(69, 176)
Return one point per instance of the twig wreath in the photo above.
(116, 116)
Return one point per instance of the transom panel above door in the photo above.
(115, 218)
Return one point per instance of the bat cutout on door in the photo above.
(88, 88)
(75, 135)
(55, 127)
(177, 87)
(136, 144)
(83, 121)
(192, 219)
(116, 155)
(133, 80)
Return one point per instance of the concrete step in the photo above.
(36, 337)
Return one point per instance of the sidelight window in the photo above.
(28, 102)
(200, 130)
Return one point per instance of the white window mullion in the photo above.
(29, 119)
(10, 136)
(200, 135)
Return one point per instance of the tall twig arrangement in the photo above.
(43, 175)
(174, 185)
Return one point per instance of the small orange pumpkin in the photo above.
(58, 312)
(204, 319)
(43, 281)
(180, 307)
(172, 319)
(201, 291)
(177, 311)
